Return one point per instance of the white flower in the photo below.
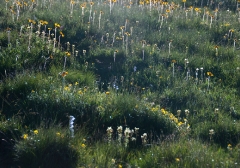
(71, 126)
(119, 129)
(71, 121)
(109, 130)
(127, 132)
(211, 132)
(133, 139)
(136, 129)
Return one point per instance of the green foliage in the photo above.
(46, 148)
(10, 133)
(188, 153)
(170, 69)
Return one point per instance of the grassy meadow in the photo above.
(119, 83)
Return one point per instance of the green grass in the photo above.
(171, 73)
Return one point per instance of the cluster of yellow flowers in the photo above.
(19, 3)
(61, 33)
(57, 25)
(67, 88)
(25, 136)
(31, 21)
(68, 54)
(209, 74)
(170, 116)
(197, 9)
(153, 1)
(42, 22)
(83, 5)
(64, 73)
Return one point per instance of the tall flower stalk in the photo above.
(6, 4)
(9, 32)
(90, 12)
(143, 45)
(209, 74)
(127, 35)
(71, 126)
(196, 73)
(127, 134)
(72, 2)
(184, 1)
(144, 139)
(186, 62)
(188, 74)
(201, 69)
(99, 19)
(110, 4)
(55, 30)
(173, 67)
(109, 134)
(119, 130)
(216, 50)
(114, 55)
(169, 47)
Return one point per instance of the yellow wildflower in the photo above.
(107, 93)
(180, 123)
(175, 120)
(45, 22)
(168, 10)
(209, 74)
(25, 136)
(197, 9)
(57, 25)
(67, 88)
(163, 111)
(68, 54)
(177, 160)
(35, 132)
(229, 147)
(83, 145)
(61, 33)
(58, 133)
(64, 73)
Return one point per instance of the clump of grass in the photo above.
(190, 153)
(46, 148)
(10, 133)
